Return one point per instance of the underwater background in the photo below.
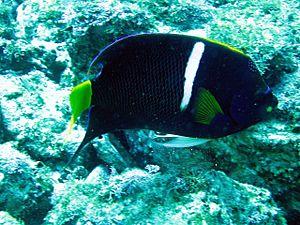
(46, 46)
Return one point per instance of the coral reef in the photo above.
(24, 192)
(139, 197)
(45, 48)
(6, 219)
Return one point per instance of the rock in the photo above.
(139, 197)
(23, 192)
(32, 116)
(259, 33)
(6, 219)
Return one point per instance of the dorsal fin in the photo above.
(206, 107)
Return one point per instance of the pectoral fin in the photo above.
(206, 107)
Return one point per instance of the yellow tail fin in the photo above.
(80, 100)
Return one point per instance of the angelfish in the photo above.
(192, 88)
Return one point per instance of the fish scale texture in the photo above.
(145, 83)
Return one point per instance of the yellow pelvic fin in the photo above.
(80, 100)
(207, 107)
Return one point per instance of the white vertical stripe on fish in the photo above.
(190, 73)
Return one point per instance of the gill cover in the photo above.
(80, 100)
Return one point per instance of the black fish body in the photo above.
(175, 84)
